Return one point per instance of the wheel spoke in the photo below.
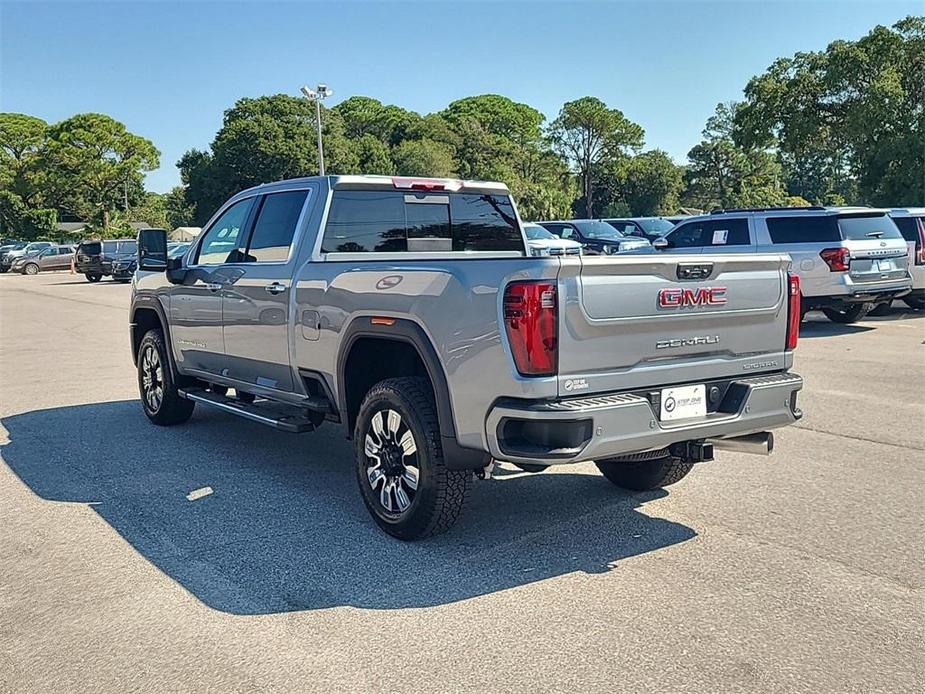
(385, 495)
(408, 446)
(372, 448)
(410, 476)
(374, 474)
(394, 424)
(401, 497)
(377, 425)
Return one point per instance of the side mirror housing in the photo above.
(152, 250)
(660, 243)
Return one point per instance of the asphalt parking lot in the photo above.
(799, 573)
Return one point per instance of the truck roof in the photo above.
(360, 182)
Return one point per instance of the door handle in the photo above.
(275, 288)
(213, 286)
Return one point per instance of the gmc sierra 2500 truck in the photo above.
(408, 310)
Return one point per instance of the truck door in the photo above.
(256, 304)
(196, 305)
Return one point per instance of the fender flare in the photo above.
(150, 302)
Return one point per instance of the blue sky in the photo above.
(169, 70)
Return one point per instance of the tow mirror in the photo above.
(660, 243)
(152, 250)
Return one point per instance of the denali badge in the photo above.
(676, 297)
(688, 341)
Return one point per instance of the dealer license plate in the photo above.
(683, 403)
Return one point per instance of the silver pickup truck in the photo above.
(408, 310)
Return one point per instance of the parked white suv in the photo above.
(848, 258)
(911, 223)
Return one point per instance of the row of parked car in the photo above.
(851, 260)
(93, 258)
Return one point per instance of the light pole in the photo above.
(317, 95)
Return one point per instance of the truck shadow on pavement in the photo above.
(285, 528)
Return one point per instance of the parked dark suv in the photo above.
(94, 257)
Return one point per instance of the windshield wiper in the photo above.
(875, 234)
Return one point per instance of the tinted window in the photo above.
(427, 220)
(656, 225)
(127, 247)
(803, 229)
(109, 247)
(908, 228)
(564, 231)
(222, 238)
(374, 221)
(687, 235)
(90, 248)
(275, 227)
(726, 232)
(484, 223)
(365, 221)
(536, 233)
(868, 226)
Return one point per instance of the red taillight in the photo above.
(920, 246)
(793, 311)
(532, 327)
(838, 259)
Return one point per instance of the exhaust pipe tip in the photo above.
(761, 443)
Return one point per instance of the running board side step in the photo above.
(273, 414)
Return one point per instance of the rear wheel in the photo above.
(848, 314)
(93, 277)
(644, 475)
(403, 479)
(159, 396)
(916, 302)
(31, 269)
(881, 309)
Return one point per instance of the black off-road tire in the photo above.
(881, 309)
(439, 495)
(171, 408)
(915, 302)
(644, 475)
(93, 277)
(851, 314)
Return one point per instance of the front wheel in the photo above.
(93, 277)
(644, 475)
(851, 313)
(31, 269)
(160, 398)
(403, 479)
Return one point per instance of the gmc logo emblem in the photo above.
(676, 297)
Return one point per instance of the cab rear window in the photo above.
(392, 221)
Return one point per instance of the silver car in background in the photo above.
(911, 224)
(543, 242)
(849, 259)
(53, 258)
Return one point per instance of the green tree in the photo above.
(725, 174)
(152, 211)
(373, 155)
(650, 184)
(90, 161)
(180, 213)
(25, 210)
(423, 158)
(588, 133)
(848, 122)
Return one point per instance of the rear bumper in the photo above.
(849, 291)
(594, 428)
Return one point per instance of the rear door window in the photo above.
(275, 226)
(726, 232)
(803, 229)
(864, 227)
(392, 221)
(908, 227)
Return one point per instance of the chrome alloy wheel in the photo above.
(152, 378)
(391, 461)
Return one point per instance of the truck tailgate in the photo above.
(640, 321)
